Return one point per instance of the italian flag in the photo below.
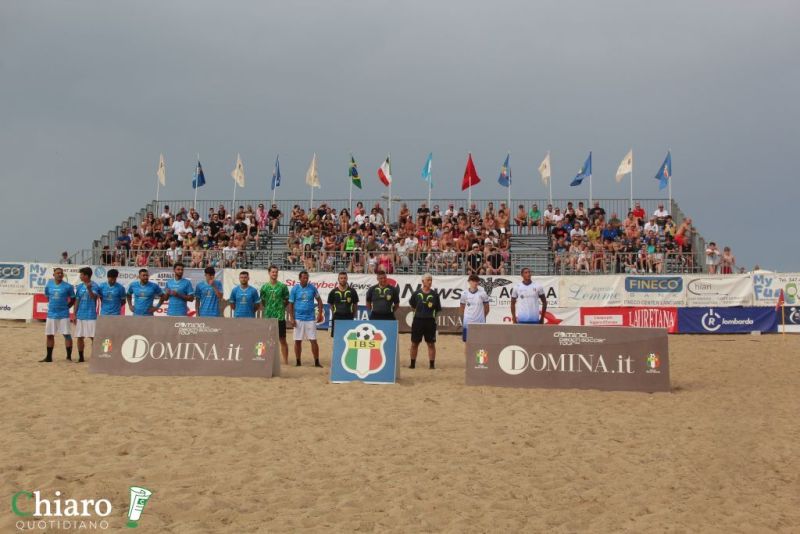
(385, 172)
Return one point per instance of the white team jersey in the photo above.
(473, 305)
(527, 301)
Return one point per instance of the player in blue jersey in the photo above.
(244, 300)
(302, 301)
(111, 294)
(141, 293)
(86, 294)
(179, 292)
(208, 295)
(60, 296)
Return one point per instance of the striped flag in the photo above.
(385, 172)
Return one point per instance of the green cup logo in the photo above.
(139, 497)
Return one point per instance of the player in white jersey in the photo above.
(474, 305)
(525, 298)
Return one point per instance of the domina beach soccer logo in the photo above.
(481, 359)
(364, 353)
(653, 362)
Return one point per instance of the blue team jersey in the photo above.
(87, 306)
(303, 299)
(207, 300)
(143, 296)
(245, 301)
(111, 298)
(58, 296)
(178, 306)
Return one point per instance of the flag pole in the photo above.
(389, 204)
(195, 181)
(274, 171)
(550, 178)
(631, 178)
(469, 189)
(508, 206)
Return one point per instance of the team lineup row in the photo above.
(301, 307)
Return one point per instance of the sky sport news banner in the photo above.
(204, 346)
(604, 358)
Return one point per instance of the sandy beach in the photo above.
(718, 454)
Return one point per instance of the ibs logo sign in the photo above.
(653, 284)
(653, 362)
(481, 359)
(12, 271)
(364, 353)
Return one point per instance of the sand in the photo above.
(719, 454)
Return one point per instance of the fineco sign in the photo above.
(12, 271)
(653, 284)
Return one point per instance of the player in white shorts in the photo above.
(474, 305)
(86, 295)
(525, 299)
(60, 297)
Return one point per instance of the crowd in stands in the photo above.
(455, 240)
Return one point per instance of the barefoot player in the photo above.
(274, 298)
(86, 294)
(474, 305)
(60, 296)
(302, 299)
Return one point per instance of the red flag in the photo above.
(470, 175)
(780, 301)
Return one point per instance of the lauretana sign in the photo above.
(635, 316)
(533, 356)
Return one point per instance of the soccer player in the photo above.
(60, 296)
(141, 293)
(382, 299)
(474, 305)
(244, 299)
(86, 295)
(274, 298)
(343, 301)
(529, 293)
(111, 294)
(426, 304)
(208, 295)
(302, 298)
(179, 292)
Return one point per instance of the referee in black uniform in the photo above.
(426, 304)
(343, 301)
(382, 299)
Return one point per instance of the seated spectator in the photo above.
(638, 214)
(651, 226)
(661, 215)
(274, 216)
(494, 262)
(475, 260)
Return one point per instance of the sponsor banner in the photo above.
(656, 290)
(789, 320)
(577, 291)
(635, 316)
(448, 321)
(13, 277)
(449, 287)
(204, 346)
(726, 320)
(16, 306)
(40, 273)
(361, 315)
(365, 351)
(553, 316)
(40, 308)
(607, 358)
(767, 287)
(722, 290)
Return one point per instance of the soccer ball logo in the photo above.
(653, 361)
(363, 354)
(365, 332)
(260, 348)
(106, 345)
(481, 357)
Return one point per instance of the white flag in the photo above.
(162, 171)
(312, 176)
(544, 169)
(238, 172)
(625, 166)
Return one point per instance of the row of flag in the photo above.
(470, 179)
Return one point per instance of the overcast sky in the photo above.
(92, 91)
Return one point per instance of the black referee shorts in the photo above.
(423, 328)
(282, 329)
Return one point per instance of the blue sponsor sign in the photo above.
(365, 351)
(726, 320)
(653, 284)
(12, 271)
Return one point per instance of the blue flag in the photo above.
(664, 174)
(276, 174)
(427, 168)
(199, 179)
(505, 173)
(584, 172)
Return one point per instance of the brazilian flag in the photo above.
(354, 172)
